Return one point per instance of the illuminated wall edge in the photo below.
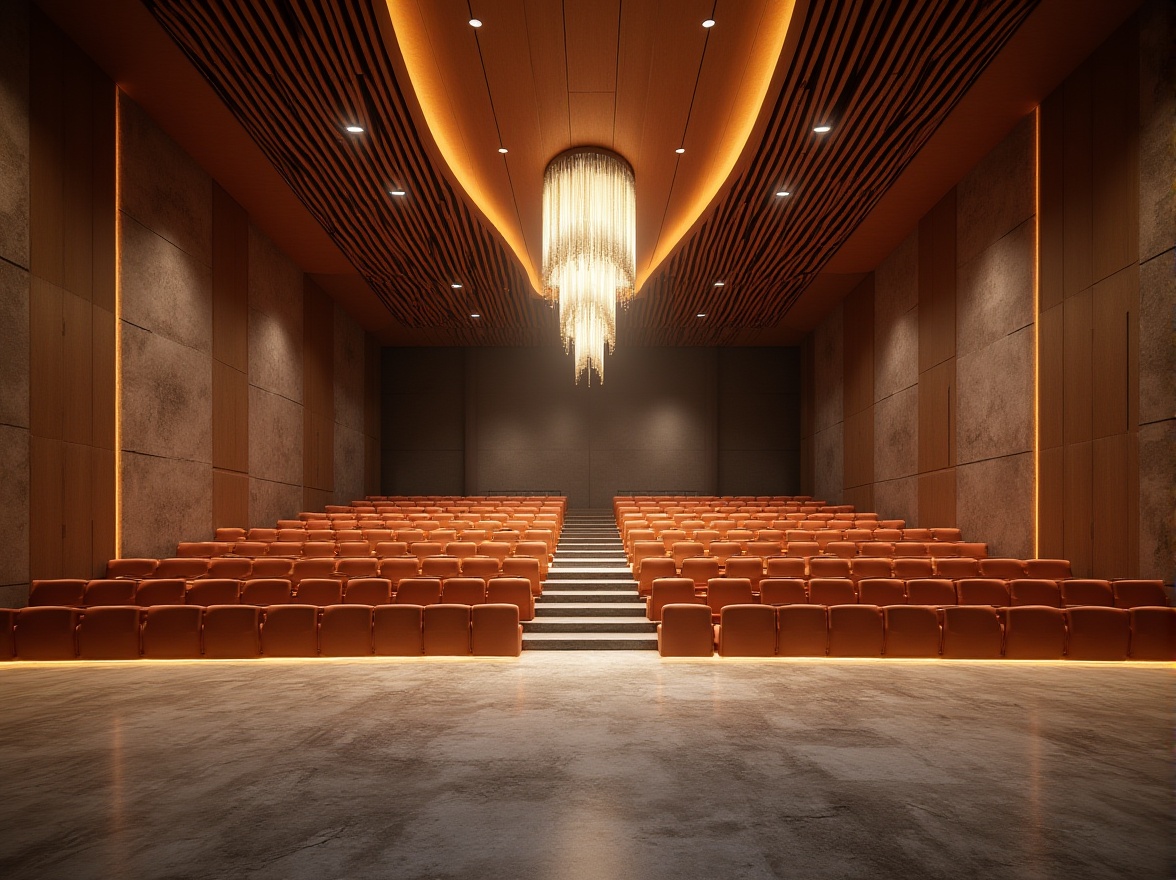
(1037, 331)
(118, 373)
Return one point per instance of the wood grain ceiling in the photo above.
(289, 70)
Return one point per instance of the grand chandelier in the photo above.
(589, 249)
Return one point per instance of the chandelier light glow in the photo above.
(589, 249)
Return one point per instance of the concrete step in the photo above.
(589, 642)
(576, 596)
(589, 625)
(591, 609)
(593, 586)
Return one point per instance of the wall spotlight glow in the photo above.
(455, 286)
(396, 192)
(783, 193)
(720, 283)
(355, 129)
(701, 315)
(822, 129)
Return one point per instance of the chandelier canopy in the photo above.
(589, 248)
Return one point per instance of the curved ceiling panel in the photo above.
(884, 75)
(643, 78)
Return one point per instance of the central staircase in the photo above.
(589, 600)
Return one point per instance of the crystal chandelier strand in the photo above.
(589, 249)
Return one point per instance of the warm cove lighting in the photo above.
(589, 248)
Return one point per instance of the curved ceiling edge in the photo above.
(432, 96)
(746, 108)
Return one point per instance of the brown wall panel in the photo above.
(102, 495)
(230, 281)
(1111, 552)
(104, 216)
(937, 435)
(46, 478)
(46, 359)
(230, 500)
(937, 283)
(1051, 377)
(858, 347)
(103, 380)
(1051, 489)
(46, 150)
(861, 497)
(1051, 204)
(1077, 170)
(859, 449)
(937, 499)
(77, 175)
(1115, 391)
(1115, 152)
(1078, 514)
(230, 418)
(78, 356)
(1078, 339)
(77, 504)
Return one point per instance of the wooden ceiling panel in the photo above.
(593, 114)
(590, 43)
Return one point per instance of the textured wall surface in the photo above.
(14, 300)
(349, 377)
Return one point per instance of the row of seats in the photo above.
(960, 632)
(281, 591)
(719, 592)
(540, 549)
(372, 536)
(248, 631)
(723, 550)
(703, 568)
(394, 568)
(822, 537)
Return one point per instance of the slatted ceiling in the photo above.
(885, 75)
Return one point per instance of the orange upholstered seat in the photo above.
(134, 568)
(172, 632)
(971, 632)
(345, 631)
(58, 591)
(855, 631)
(166, 591)
(229, 567)
(882, 591)
(319, 591)
(265, 591)
(1094, 633)
(803, 630)
(368, 591)
(931, 591)
(445, 630)
(723, 591)
(109, 633)
(1139, 593)
(983, 591)
(655, 567)
(213, 591)
(512, 590)
(957, 568)
(1034, 632)
(1153, 633)
(495, 630)
(911, 631)
(783, 591)
(232, 631)
(290, 631)
(1035, 591)
(832, 591)
(667, 591)
(1087, 591)
(685, 631)
(109, 591)
(747, 631)
(396, 630)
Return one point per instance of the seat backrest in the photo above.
(418, 591)
(213, 591)
(1139, 594)
(1035, 591)
(723, 591)
(390, 548)
(131, 568)
(108, 591)
(496, 549)
(46, 633)
(495, 630)
(724, 550)
(229, 567)
(368, 591)
(445, 630)
(396, 630)
(57, 591)
(931, 591)
(750, 567)
(832, 591)
(785, 567)
(1052, 569)
(319, 591)
(356, 567)
(1087, 591)
(783, 591)
(882, 591)
(911, 631)
(908, 567)
(829, 566)
(232, 631)
(1001, 567)
(747, 631)
(463, 591)
(1034, 632)
(440, 566)
(862, 567)
(685, 631)
(181, 567)
(514, 590)
(856, 631)
(266, 591)
(1094, 633)
(319, 567)
(700, 569)
(957, 568)
(161, 591)
(666, 591)
(172, 632)
(983, 591)
(803, 630)
(397, 568)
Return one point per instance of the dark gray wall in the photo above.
(480, 420)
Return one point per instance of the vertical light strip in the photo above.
(1037, 331)
(118, 483)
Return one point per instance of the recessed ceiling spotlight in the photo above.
(701, 315)
(455, 286)
(823, 128)
(475, 22)
(782, 193)
(709, 23)
(680, 150)
(503, 150)
(720, 283)
(396, 192)
(474, 315)
(354, 129)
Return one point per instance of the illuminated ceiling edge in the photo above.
(429, 89)
(745, 111)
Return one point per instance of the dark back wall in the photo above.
(480, 420)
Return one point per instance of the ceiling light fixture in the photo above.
(680, 150)
(823, 128)
(782, 193)
(701, 315)
(354, 129)
(475, 22)
(589, 249)
(396, 192)
(709, 23)
(474, 315)
(455, 286)
(720, 283)
(502, 150)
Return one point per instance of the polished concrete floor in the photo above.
(585, 765)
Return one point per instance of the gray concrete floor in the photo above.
(585, 765)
